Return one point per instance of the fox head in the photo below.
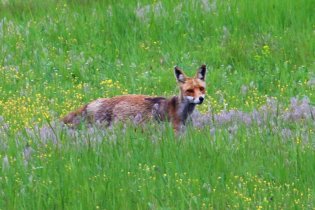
(192, 89)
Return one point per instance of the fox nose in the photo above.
(201, 99)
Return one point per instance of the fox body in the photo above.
(120, 108)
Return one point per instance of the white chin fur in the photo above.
(192, 100)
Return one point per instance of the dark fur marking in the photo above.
(104, 114)
(156, 100)
(158, 107)
(174, 101)
(187, 110)
(75, 117)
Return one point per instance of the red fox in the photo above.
(120, 108)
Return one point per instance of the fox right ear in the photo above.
(179, 74)
(201, 73)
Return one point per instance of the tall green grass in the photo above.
(136, 170)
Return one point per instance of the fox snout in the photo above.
(195, 100)
(201, 99)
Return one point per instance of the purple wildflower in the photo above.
(5, 163)
(27, 152)
(286, 133)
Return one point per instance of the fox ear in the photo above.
(201, 73)
(179, 74)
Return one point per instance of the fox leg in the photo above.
(177, 124)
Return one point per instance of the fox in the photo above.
(175, 109)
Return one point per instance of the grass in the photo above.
(130, 171)
(57, 55)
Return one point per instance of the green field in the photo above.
(251, 145)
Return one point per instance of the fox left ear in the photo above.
(179, 74)
(201, 73)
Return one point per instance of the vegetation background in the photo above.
(250, 146)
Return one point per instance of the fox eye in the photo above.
(190, 91)
(201, 88)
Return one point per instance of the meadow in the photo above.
(250, 145)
